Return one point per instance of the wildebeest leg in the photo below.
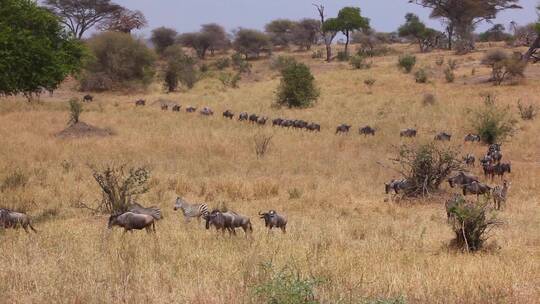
(25, 227)
(284, 229)
(154, 226)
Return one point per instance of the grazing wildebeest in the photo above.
(153, 211)
(262, 121)
(12, 219)
(88, 98)
(461, 179)
(313, 127)
(287, 123)
(228, 220)
(367, 130)
(499, 195)
(489, 170)
(469, 160)
(408, 133)
(191, 210)
(472, 137)
(241, 221)
(164, 107)
(502, 168)
(206, 111)
(228, 114)
(476, 188)
(130, 221)
(176, 108)
(140, 103)
(300, 124)
(277, 122)
(443, 136)
(343, 129)
(253, 118)
(191, 109)
(397, 185)
(243, 116)
(273, 219)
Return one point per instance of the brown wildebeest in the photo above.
(206, 111)
(273, 219)
(140, 103)
(472, 138)
(12, 219)
(461, 179)
(88, 98)
(130, 221)
(343, 129)
(502, 168)
(228, 220)
(313, 127)
(469, 160)
(476, 188)
(253, 118)
(262, 121)
(277, 122)
(243, 116)
(443, 136)
(176, 108)
(191, 109)
(367, 130)
(397, 185)
(228, 114)
(408, 133)
(164, 107)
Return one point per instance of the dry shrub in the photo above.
(75, 110)
(527, 111)
(471, 223)
(14, 180)
(262, 144)
(264, 189)
(119, 184)
(504, 66)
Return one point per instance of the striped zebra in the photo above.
(499, 195)
(191, 210)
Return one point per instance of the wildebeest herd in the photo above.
(470, 184)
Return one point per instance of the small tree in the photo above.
(119, 184)
(471, 223)
(305, 33)
(297, 87)
(348, 20)
(426, 167)
(427, 38)
(36, 53)
(503, 66)
(217, 36)
(329, 30)
(407, 62)
(75, 110)
(162, 38)
(180, 69)
(493, 124)
(251, 43)
(495, 33)
(199, 41)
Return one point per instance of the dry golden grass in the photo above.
(341, 229)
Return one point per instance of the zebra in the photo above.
(191, 210)
(499, 195)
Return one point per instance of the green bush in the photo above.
(407, 62)
(493, 124)
(285, 286)
(120, 59)
(297, 88)
(359, 62)
(281, 62)
(180, 69)
(421, 76)
(75, 110)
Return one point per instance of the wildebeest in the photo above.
(191, 109)
(88, 98)
(469, 160)
(164, 107)
(367, 130)
(176, 108)
(496, 156)
(343, 129)
(489, 170)
(477, 188)
(243, 116)
(472, 137)
(443, 136)
(397, 185)
(228, 220)
(140, 103)
(12, 219)
(262, 121)
(313, 127)
(277, 122)
(300, 124)
(502, 168)
(287, 123)
(130, 221)
(253, 118)
(461, 179)
(273, 219)
(206, 111)
(408, 133)
(228, 114)
(499, 194)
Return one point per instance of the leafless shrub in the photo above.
(527, 111)
(262, 144)
(119, 184)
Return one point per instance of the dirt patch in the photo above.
(81, 129)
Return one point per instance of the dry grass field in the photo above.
(342, 228)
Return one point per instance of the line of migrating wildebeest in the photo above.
(137, 217)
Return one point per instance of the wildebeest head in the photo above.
(214, 217)
(113, 220)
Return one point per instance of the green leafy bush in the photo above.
(492, 123)
(297, 88)
(407, 62)
(180, 69)
(421, 76)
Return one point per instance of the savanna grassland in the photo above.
(343, 229)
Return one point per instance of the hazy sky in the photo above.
(385, 15)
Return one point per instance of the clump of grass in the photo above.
(294, 193)
(527, 111)
(421, 76)
(14, 180)
(407, 62)
(449, 75)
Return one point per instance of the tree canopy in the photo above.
(417, 30)
(36, 51)
(251, 42)
(163, 37)
(280, 32)
(125, 21)
(348, 20)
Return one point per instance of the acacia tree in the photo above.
(462, 16)
(198, 41)
(349, 20)
(163, 37)
(251, 42)
(217, 37)
(125, 21)
(81, 15)
(36, 53)
(280, 32)
(417, 30)
(305, 33)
